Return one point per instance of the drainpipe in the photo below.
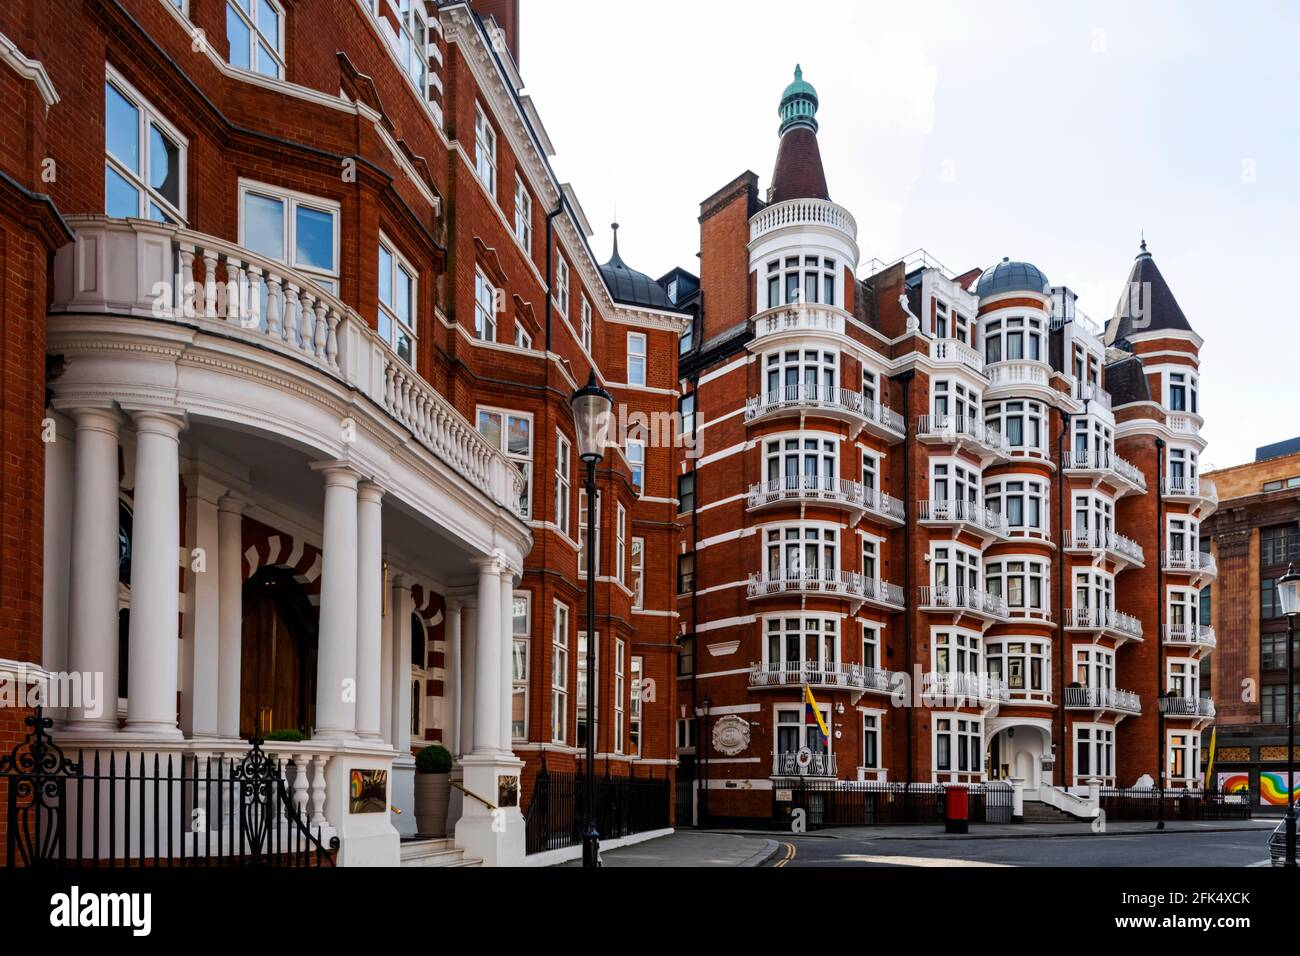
(695, 649)
(1062, 440)
(550, 265)
(905, 380)
(1160, 636)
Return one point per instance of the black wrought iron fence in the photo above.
(1150, 803)
(138, 809)
(557, 813)
(835, 803)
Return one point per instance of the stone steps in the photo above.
(1036, 812)
(434, 853)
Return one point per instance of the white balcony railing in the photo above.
(1180, 486)
(1189, 562)
(962, 512)
(954, 687)
(881, 592)
(1106, 462)
(803, 212)
(818, 765)
(809, 317)
(949, 598)
(799, 673)
(841, 401)
(846, 584)
(1103, 619)
(1102, 698)
(1018, 372)
(839, 491)
(1187, 706)
(1088, 392)
(958, 428)
(1097, 539)
(1191, 635)
(1183, 424)
(953, 352)
(156, 271)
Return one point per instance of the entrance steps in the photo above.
(435, 853)
(1037, 812)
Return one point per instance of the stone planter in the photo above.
(432, 792)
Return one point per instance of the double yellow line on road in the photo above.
(790, 852)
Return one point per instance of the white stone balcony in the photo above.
(951, 352)
(1095, 394)
(1200, 565)
(848, 585)
(1196, 707)
(817, 765)
(844, 493)
(1102, 699)
(818, 675)
(1202, 493)
(1104, 620)
(805, 317)
(1121, 550)
(1191, 635)
(961, 431)
(963, 600)
(963, 515)
(803, 214)
(841, 404)
(1015, 375)
(951, 689)
(1124, 475)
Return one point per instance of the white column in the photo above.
(336, 661)
(230, 600)
(507, 659)
(388, 675)
(487, 663)
(92, 573)
(468, 666)
(402, 607)
(60, 468)
(155, 583)
(200, 691)
(451, 685)
(370, 607)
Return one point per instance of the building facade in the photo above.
(294, 305)
(950, 506)
(1255, 537)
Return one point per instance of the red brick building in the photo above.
(291, 290)
(947, 504)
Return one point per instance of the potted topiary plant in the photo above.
(432, 790)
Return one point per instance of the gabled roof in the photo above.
(1147, 304)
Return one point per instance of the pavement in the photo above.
(693, 848)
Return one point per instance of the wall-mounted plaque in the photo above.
(507, 791)
(731, 735)
(369, 791)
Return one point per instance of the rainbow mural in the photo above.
(1272, 788)
(1234, 782)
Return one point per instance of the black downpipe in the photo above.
(550, 266)
(701, 801)
(1160, 634)
(1064, 655)
(905, 380)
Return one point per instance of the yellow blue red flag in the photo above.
(812, 714)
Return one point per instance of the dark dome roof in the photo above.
(630, 287)
(1008, 276)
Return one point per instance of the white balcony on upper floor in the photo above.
(1196, 708)
(1093, 394)
(1191, 635)
(1200, 565)
(802, 214)
(840, 404)
(964, 432)
(827, 676)
(847, 585)
(956, 689)
(1017, 376)
(1107, 466)
(852, 496)
(803, 764)
(805, 317)
(962, 600)
(1102, 699)
(1201, 493)
(953, 352)
(1121, 550)
(1104, 621)
(963, 515)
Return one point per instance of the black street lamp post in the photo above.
(1288, 590)
(592, 410)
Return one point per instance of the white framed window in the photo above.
(950, 323)
(1022, 501)
(1094, 592)
(1185, 614)
(871, 646)
(582, 723)
(634, 719)
(801, 461)
(1184, 537)
(485, 308)
(512, 433)
(1023, 423)
(1093, 440)
(1184, 755)
(620, 545)
(800, 373)
(560, 674)
(255, 29)
(582, 531)
(520, 629)
(397, 302)
(952, 482)
(636, 356)
(522, 339)
(296, 229)
(802, 549)
(413, 44)
(1181, 390)
(1184, 676)
(797, 279)
(620, 652)
(801, 642)
(1095, 667)
(793, 733)
(958, 744)
(562, 286)
(1014, 339)
(954, 566)
(685, 733)
(952, 397)
(563, 482)
(636, 462)
(638, 573)
(585, 329)
(1094, 752)
(957, 652)
(144, 158)
(1023, 664)
(485, 150)
(1022, 582)
(871, 741)
(523, 214)
(1094, 516)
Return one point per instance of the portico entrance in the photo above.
(1016, 750)
(278, 660)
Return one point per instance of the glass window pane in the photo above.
(385, 276)
(120, 197)
(266, 64)
(240, 40)
(489, 427)
(518, 436)
(268, 22)
(403, 295)
(264, 225)
(121, 128)
(315, 238)
(164, 166)
(405, 348)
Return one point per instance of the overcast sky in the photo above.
(975, 131)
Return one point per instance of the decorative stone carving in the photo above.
(731, 735)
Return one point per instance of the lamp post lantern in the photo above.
(1288, 590)
(592, 410)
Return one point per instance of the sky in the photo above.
(1050, 133)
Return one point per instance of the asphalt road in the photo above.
(858, 848)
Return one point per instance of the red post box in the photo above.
(956, 809)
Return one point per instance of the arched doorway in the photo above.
(277, 685)
(1016, 749)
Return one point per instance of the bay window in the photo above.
(144, 158)
(1023, 582)
(802, 550)
(1023, 423)
(953, 483)
(512, 434)
(801, 462)
(801, 642)
(1184, 756)
(958, 744)
(255, 32)
(796, 279)
(952, 397)
(1023, 664)
(1094, 667)
(1022, 501)
(1014, 339)
(954, 566)
(397, 302)
(292, 228)
(1093, 440)
(956, 652)
(1184, 677)
(785, 372)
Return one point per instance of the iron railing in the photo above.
(138, 810)
(832, 803)
(557, 813)
(1150, 803)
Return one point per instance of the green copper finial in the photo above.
(798, 104)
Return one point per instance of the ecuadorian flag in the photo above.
(812, 714)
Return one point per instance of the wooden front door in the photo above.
(278, 663)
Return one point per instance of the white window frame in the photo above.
(1100, 742)
(999, 658)
(147, 116)
(250, 18)
(620, 545)
(583, 712)
(523, 340)
(872, 727)
(582, 530)
(1007, 572)
(563, 483)
(485, 307)
(519, 684)
(965, 738)
(638, 573)
(327, 279)
(636, 358)
(799, 640)
(620, 687)
(413, 55)
(634, 723)
(400, 264)
(560, 674)
(636, 464)
(1189, 743)
(524, 461)
(523, 215)
(585, 323)
(561, 296)
(485, 150)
